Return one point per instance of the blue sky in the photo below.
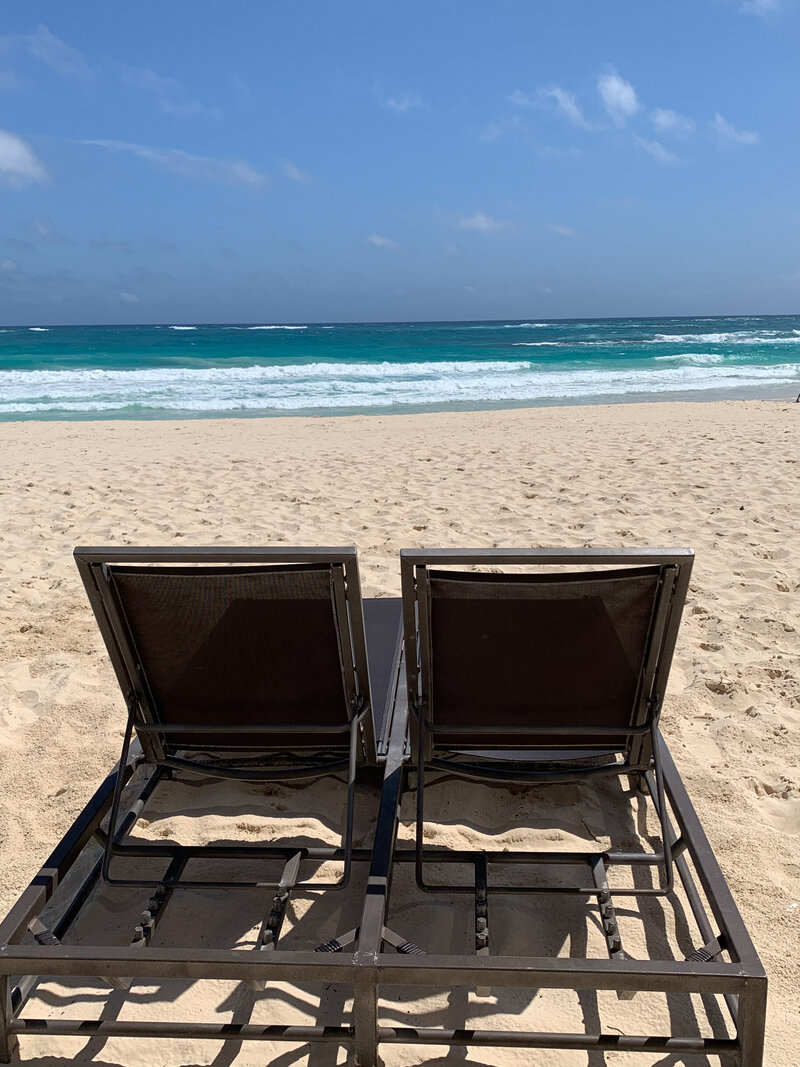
(304, 160)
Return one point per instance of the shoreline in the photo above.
(744, 395)
(719, 477)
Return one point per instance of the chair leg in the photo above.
(660, 801)
(482, 915)
(365, 1017)
(114, 813)
(267, 940)
(8, 1041)
(351, 802)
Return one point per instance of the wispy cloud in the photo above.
(551, 152)
(618, 96)
(19, 165)
(9, 82)
(20, 245)
(43, 229)
(727, 133)
(129, 298)
(563, 102)
(402, 103)
(294, 174)
(759, 7)
(243, 91)
(482, 223)
(666, 120)
(104, 245)
(49, 50)
(172, 97)
(379, 241)
(491, 131)
(655, 149)
(562, 231)
(198, 168)
(495, 129)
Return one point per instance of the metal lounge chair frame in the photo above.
(378, 960)
(725, 954)
(637, 744)
(101, 569)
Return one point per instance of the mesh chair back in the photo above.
(536, 651)
(238, 646)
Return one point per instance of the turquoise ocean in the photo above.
(202, 371)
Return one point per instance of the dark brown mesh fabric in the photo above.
(238, 646)
(515, 650)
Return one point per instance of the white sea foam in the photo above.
(39, 329)
(538, 344)
(182, 327)
(743, 337)
(523, 325)
(336, 386)
(694, 358)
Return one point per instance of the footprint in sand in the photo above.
(776, 805)
(19, 700)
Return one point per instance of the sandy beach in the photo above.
(721, 478)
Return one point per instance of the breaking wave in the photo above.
(346, 385)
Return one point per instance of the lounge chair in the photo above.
(241, 663)
(542, 677)
(551, 677)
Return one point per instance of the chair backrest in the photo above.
(234, 649)
(518, 661)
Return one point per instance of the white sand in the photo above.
(721, 478)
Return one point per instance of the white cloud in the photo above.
(491, 131)
(727, 132)
(565, 103)
(44, 230)
(498, 127)
(50, 50)
(172, 97)
(618, 96)
(482, 223)
(56, 54)
(525, 99)
(9, 266)
(402, 103)
(294, 174)
(18, 163)
(562, 231)
(568, 106)
(379, 241)
(795, 277)
(129, 298)
(666, 120)
(655, 149)
(759, 7)
(199, 168)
